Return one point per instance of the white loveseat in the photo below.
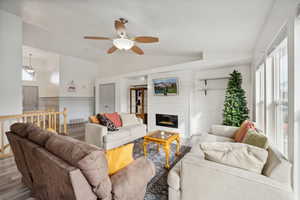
(99, 135)
(196, 178)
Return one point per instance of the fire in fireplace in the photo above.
(167, 120)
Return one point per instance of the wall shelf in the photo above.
(205, 89)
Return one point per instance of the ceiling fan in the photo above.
(124, 42)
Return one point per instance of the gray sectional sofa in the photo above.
(59, 167)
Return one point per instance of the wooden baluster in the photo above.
(49, 118)
(59, 125)
(65, 120)
(52, 120)
(38, 120)
(44, 120)
(2, 136)
(31, 118)
(55, 126)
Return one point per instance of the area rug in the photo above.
(157, 188)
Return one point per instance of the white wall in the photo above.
(82, 72)
(208, 110)
(174, 105)
(80, 104)
(47, 75)
(10, 64)
(192, 108)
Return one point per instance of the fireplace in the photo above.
(167, 120)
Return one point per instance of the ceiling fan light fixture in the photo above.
(123, 43)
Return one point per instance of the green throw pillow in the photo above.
(256, 138)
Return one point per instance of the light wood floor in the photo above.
(11, 187)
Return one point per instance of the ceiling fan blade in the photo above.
(146, 39)
(137, 50)
(112, 49)
(96, 38)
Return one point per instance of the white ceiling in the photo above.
(185, 28)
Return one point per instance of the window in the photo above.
(272, 97)
(260, 97)
(27, 76)
(281, 96)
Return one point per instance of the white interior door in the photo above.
(107, 98)
(30, 98)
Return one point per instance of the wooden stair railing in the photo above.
(43, 119)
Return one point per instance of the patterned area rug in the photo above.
(157, 188)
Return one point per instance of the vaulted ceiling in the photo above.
(185, 28)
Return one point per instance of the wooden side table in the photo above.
(164, 139)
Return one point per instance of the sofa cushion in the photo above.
(115, 118)
(118, 158)
(117, 135)
(215, 138)
(256, 138)
(88, 158)
(94, 167)
(128, 119)
(278, 167)
(238, 155)
(241, 133)
(38, 135)
(94, 119)
(130, 183)
(138, 130)
(106, 122)
(224, 131)
(21, 129)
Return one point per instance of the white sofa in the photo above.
(196, 178)
(99, 135)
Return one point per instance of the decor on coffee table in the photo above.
(163, 138)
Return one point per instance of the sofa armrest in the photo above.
(140, 120)
(222, 130)
(207, 177)
(81, 187)
(131, 182)
(94, 134)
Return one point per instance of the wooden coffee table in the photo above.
(163, 138)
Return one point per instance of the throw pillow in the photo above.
(241, 133)
(256, 138)
(115, 118)
(119, 158)
(106, 122)
(128, 119)
(94, 119)
(237, 155)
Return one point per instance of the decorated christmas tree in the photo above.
(235, 105)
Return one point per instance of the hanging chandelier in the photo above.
(28, 68)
